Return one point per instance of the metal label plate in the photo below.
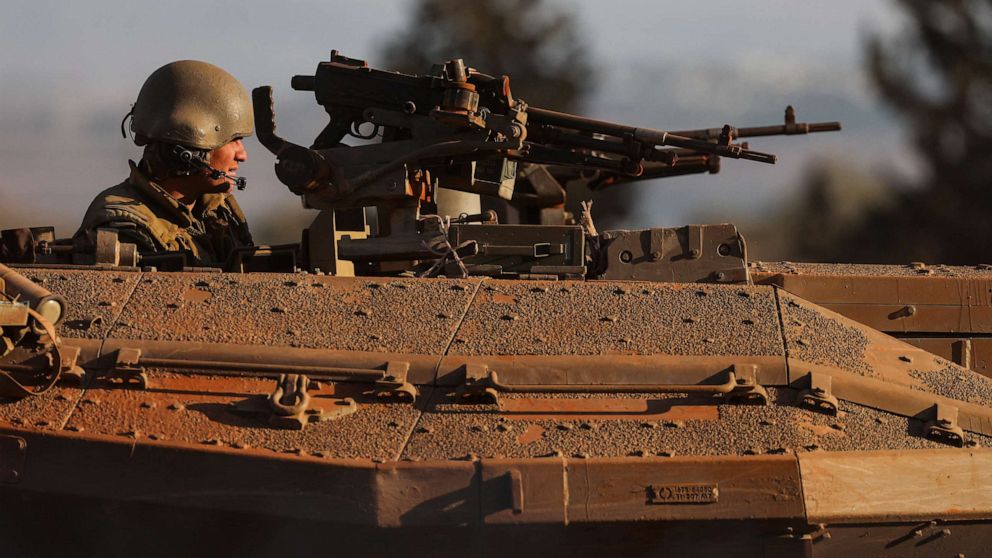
(683, 494)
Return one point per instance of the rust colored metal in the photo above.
(534, 408)
(456, 388)
(532, 433)
(947, 312)
(615, 458)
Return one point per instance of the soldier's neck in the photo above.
(184, 190)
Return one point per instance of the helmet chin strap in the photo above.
(190, 158)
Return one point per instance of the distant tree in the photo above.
(937, 76)
(817, 223)
(537, 45)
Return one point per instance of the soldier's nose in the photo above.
(241, 155)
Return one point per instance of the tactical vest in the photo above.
(145, 214)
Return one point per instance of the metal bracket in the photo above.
(695, 247)
(290, 405)
(818, 396)
(656, 244)
(944, 426)
(730, 275)
(747, 390)
(127, 369)
(962, 351)
(394, 383)
(109, 251)
(70, 368)
(483, 385)
(478, 386)
(516, 491)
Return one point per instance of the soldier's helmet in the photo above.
(193, 104)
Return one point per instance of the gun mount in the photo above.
(459, 129)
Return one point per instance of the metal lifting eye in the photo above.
(357, 132)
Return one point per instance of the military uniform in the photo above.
(145, 214)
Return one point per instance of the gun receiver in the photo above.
(460, 129)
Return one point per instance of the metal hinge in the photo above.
(394, 382)
(477, 386)
(818, 396)
(748, 391)
(943, 427)
(127, 369)
(70, 365)
(741, 386)
(290, 405)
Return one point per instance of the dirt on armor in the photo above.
(572, 318)
(96, 300)
(813, 337)
(957, 383)
(375, 315)
(782, 427)
(49, 411)
(199, 410)
(872, 270)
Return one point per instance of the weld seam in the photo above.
(99, 352)
(437, 368)
(458, 327)
(781, 328)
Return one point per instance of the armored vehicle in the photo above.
(417, 378)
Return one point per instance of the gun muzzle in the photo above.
(41, 300)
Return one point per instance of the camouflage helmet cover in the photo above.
(194, 104)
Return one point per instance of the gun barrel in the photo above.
(797, 128)
(554, 118)
(793, 129)
(645, 135)
(303, 83)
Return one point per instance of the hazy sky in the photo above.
(69, 71)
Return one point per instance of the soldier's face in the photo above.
(226, 158)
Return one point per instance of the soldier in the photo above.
(190, 117)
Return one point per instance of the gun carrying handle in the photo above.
(265, 120)
(297, 167)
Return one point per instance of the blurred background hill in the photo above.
(908, 79)
(935, 74)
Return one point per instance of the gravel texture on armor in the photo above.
(909, 270)
(957, 383)
(48, 411)
(637, 318)
(298, 310)
(782, 427)
(198, 410)
(817, 338)
(94, 299)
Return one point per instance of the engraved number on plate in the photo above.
(683, 494)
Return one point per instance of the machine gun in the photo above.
(460, 129)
